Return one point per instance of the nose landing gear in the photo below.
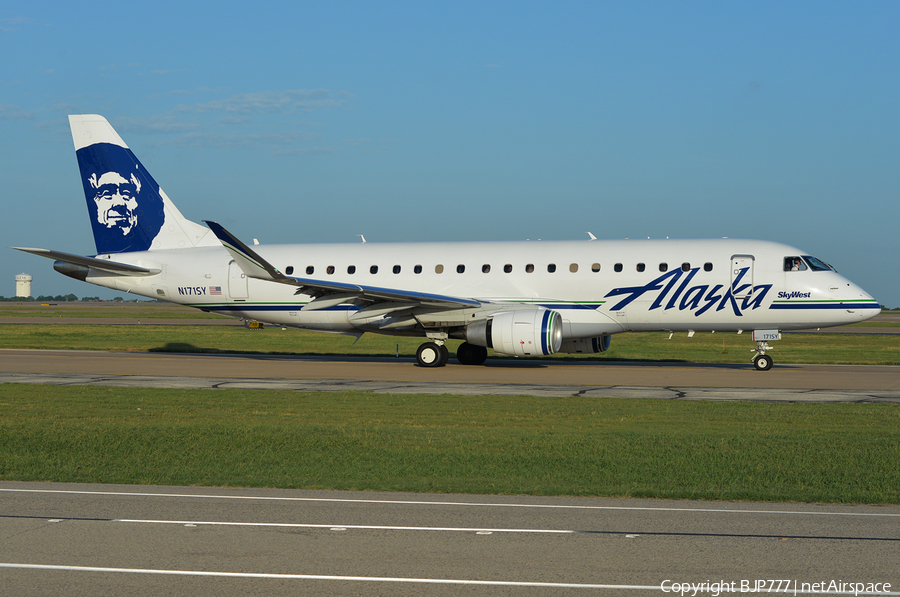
(762, 361)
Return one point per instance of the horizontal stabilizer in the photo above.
(113, 267)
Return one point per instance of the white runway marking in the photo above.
(331, 527)
(386, 579)
(434, 581)
(446, 503)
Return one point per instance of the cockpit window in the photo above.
(794, 264)
(817, 265)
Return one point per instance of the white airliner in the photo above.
(527, 298)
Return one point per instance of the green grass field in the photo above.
(110, 310)
(484, 444)
(704, 348)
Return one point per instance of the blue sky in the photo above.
(315, 122)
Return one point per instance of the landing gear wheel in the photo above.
(445, 355)
(431, 354)
(762, 362)
(469, 354)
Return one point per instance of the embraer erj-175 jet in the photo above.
(527, 298)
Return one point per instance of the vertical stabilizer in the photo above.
(128, 209)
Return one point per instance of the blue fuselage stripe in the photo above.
(257, 307)
(552, 306)
(826, 306)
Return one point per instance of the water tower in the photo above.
(23, 285)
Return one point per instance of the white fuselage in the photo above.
(598, 287)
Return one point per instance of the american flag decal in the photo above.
(215, 290)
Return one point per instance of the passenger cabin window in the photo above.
(330, 270)
(289, 270)
(573, 268)
(685, 267)
(794, 264)
(439, 269)
(529, 268)
(351, 269)
(618, 267)
(641, 267)
(396, 269)
(373, 269)
(551, 267)
(663, 267)
(507, 268)
(485, 269)
(595, 268)
(309, 270)
(460, 268)
(707, 267)
(417, 269)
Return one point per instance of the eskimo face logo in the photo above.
(116, 200)
(126, 208)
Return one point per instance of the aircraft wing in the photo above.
(327, 293)
(122, 269)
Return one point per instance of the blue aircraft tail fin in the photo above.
(128, 209)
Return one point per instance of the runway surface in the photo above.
(816, 383)
(112, 540)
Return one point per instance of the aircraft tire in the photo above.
(430, 354)
(469, 354)
(445, 355)
(762, 362)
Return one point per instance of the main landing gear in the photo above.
(432, 354)
(435, 354)
(469, 354)
(762, 361)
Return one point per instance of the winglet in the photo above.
(247, 259)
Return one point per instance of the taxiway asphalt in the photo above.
(808, 383)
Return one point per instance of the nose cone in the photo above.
(858, 304)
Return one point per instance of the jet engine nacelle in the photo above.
(586, 345)
(522, 333)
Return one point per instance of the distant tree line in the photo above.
(59, 298)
